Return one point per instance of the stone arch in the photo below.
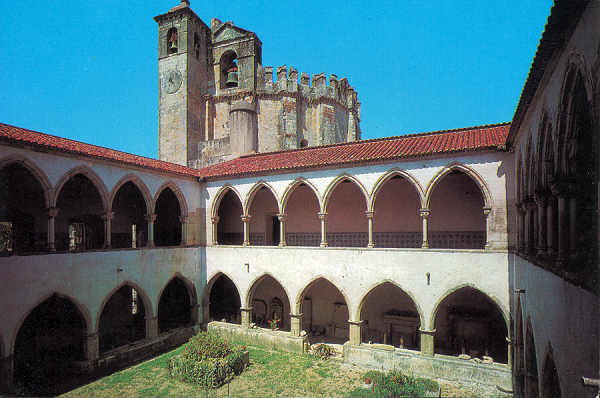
(214, 211)
(337, 181)
(83, 311)
(531, 366)
(380, 283)
(550, 378)
(183, 208)
(250, 296)
(504, 311)
(227, 59)
(179, 318)
(479, 181)
(208, 289)
(298, 301)
(290, 189)
(548, 153)
(254, 284)
(252, 193)
(381, 181)
(92, 176)
(36, 171)
(189, 285)
(135, 180)
(147, 302)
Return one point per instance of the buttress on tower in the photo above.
(217, 102)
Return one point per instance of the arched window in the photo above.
(270, 303)
(224, 301)
(229, 70)
(122, 320)
(172, 41)
(325, 312)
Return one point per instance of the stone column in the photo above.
(530, 207)
(151, 327)
(215, 232)
(323, 218)
(92, 349)
(296, 324)
(150, 218)
(355, 332)
(107, 218)
(184, 229)
(7, 373)
(541, 200)
(246, 221)
(52, 213)
(427, 342)
(424, 213)
(572, 223)
(520, 226)
(246, 316)
(488, 227)
(282, 219)
(510, 353)
(562, 233)
(549, 227)
(370, 215)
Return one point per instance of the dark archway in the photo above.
(531, 372)
(519, 356)
(79, 225)
(457, 220)
(23, 216)
(174, 307)
(129, 226)
(230, 230)
(469, 322)
(123, 319)
(224, 301)
(269, 302)
(550, 381)
(303, 227)
(167, 227)
(264, 221)
(391, 317)
(325, 312)
(48, 346)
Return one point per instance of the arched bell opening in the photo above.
(264, 221)
(325, 312)
(23, 215)
(224, 301)
(174, 306)
(391, 317)
(229, 70)
(457, 220)
(167, 227)
(469, 323)
(49, 347)
(79, 224)
(129, 226)
(230, 229)
(396, 221)
(123, 319)
(347, 224)
(303, 227)
(270, 304)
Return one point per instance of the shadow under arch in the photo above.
(256, 282)
(183, 207)
(209, 311)
(92, 176)
(388, 175)
(374, 286)
(300, 296)
(337, 181)
(35, 171)
(531, 367)
(148, 307)
(550, 379)
(214, 211)
(479, 181)
(252, 194)
(178, 313)
(139, 184)
(292, 187)
(282, 314)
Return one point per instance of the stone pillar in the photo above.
(427, 342)
(541, 201)
(215, 232)
(549, 227)
(530, 207)
(370, 215)
(107, 218)
(151, 327)
(282, 219)
(572, 224)
(520, 224)
(150, 218)
(92, 348)
(424, 213)
(323, 218)
(246, 221)
(510, 353)
(296, 324)
(488, 227)
(184, 229)
(562, 233)
(52, 213)
(355, 332)
(246, 316)
(7, 373)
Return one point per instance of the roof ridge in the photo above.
(379, 139)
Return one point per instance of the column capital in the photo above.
(322, 216)
(246, 218)
(429, 332)
(282, 217)
(214, 220)
(52, 212)
(247, 309)
(424, 212)
(108, 216)
(356, 323)
(150, 217)
(529, 203)
(369, 214)
(487, 211)
(520, 207)
(296, 315)
(184, 219)
(562, 188)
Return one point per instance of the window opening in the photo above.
(76, 236)
(134, 302)
(172, 41)
(133, 236)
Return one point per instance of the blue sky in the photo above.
(87, 70)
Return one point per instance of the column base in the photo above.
(282, 244)
(371, 245)
(246, 317)
(296, 324)
(324, 244)
(355, 331)
(425, 245)
(427, 342)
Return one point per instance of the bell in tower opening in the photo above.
(229, 70)
(232, 76)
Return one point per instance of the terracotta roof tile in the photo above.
(28, 137)
(467, 139)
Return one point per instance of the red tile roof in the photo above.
(490, 137)
(19, 135)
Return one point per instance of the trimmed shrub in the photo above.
(208, 360)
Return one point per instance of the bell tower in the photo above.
(185, 73)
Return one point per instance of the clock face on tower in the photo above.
(172, 81)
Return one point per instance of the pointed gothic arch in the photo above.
(175, 303)
(336, 182)
(252, 193)
(273, 300)
(222, 304)
(300, 181)
(91, 175)
(183, 207)
(550, 378)
(139, 184)
(35, 171)
(388, 175)
(145, 299)
(479, 181)
(220, 195)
